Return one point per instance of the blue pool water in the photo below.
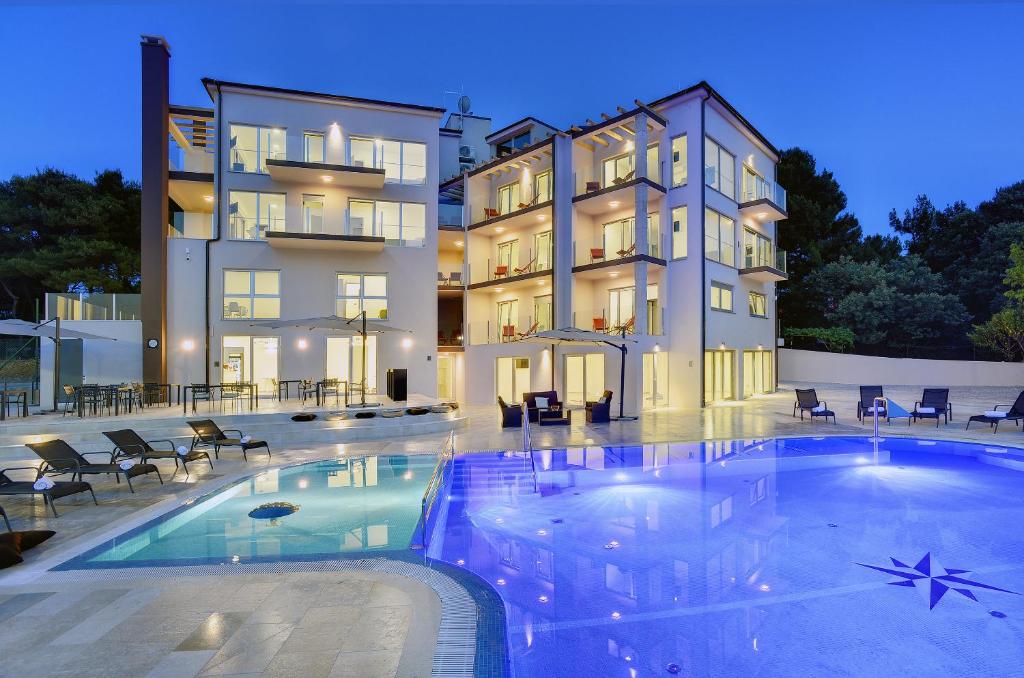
(316, 510)
(747, 558)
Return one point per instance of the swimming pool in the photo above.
(323, 509)
(798, 557)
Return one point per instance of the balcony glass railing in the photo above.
(252, 228)
(589, 181)
(450, 278)
(756, 188)
(499, 269)
(762, 257)
(94, 306)
(496, 332)
(449, 215)
(603, 320)
(252, 160)
(601, 252)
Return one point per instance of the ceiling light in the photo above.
(499, 229)
(327, 178)
(208, 198)
(762, 215)
(614, 274)
(302, 343)
(499, 289)
(459, 243)
(541, 217)
(613, 204)
(540, 282)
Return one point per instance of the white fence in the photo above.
(842, 368)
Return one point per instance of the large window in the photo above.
(758, 305)
(622, 168)
(403, 162)
(312, 214)
(719, 237)
(542, 312)
(757, 372)
(252, 294)
(509, 198)
(362, 292)
(757, 250)
(512, 378)
(313, 147)
(251, 146)
(655, 380)
(508, 319)
(719, 168)
(252, 214)
(621, 309)
(512, 144)
(679, 232)
(400, 223)
(721, 297)
(679, 161)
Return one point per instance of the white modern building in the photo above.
(274, 203)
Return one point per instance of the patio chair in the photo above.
(629, 251)
(599, 411)
(231, 393)
(533, 328)
(59, 458)
(441, 280)
(508, 332)
(455, 278)
(16, 399)
(526, 269)
(208, 434)
(993, 417)
(70, 399)
(61, 488)
(500, 271)
(592, 186)
(624, 178)
(596, 253)
(866, 404)
(934, 403)
(511, 415)
(600, 325)
(200, 393)
(128, 442)
(491, 213)
(807, 401)
(330, 387)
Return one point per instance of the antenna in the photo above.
(464, 104)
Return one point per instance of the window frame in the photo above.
(251, 295)
(751, 307)
(340, 299)
(722, 287)
(685, 230)
(718, 167)
(754, 237)
(261, 231)
(306, 134)
(377, 143)
(718, 238)
(376, 227)
(551, 185)
(261, 164)
(683, 161)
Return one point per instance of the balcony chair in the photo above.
(807, 401)
(934, 403)
(500, 271)
(628, 252)
(527, 268)
(624, 178)
(596, 253)
(490, 213)
(508, 333)
(524, 205)
(592, 186)
(599, 411)
(455, 278)
(600, 325)
(511, 415)
(627, 327)
(992, 417)
(533, 328)
(441, 280)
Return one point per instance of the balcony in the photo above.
(763, 267)
(93, 306)
(490, 221)
(351, 235)
(191, 191)
(594, 198)
(502, 273)
(450, 283)
(299, 172)
(494, 332)
(449, 217)
(763, 200)
(601, 261)
(604, 320)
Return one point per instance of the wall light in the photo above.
(407, 342)
(721, 346)
(541, 217)
(657, 348)
(188, 345)
(302, 344)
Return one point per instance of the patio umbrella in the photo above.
(578, 337)
(23, 328)
(352, 326)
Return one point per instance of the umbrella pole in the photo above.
(56, 361)
(362, 394)
(622, 386)
(553, 368)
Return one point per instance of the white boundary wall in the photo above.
(841, 368)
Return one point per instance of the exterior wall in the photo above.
(839, 368)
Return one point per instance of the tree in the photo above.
(59, 233)
(1004, 331)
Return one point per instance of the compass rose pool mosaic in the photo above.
(794, 557)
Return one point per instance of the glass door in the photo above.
(718, 376)
(542, 187)
(251, 359)
(345, 361)
(584, 378)
(508, 258)
(371, 362)
(757, 373)
(542, 251)
(508, 198)
(234, 364)
(446, 377)
(338, 357)
(312, 214)
(619, 238)
(620, 308)
(513, 378)
(655, 376)
(542, 312)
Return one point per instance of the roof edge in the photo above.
(209, 83)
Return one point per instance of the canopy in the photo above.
(24, 328)
(573, 335)
(332, 323)
(578, 337)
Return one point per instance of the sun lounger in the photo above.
(807, 401)
(60, 458)
(128, 442)
(208, 434)
(995, 416)
(10, 487)
(934, 403)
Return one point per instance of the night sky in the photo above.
(896, 99)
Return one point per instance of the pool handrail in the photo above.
(433, 488)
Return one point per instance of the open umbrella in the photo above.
(23, 328)
(578, 337)
(353, 326)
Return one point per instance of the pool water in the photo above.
(317, 510)
(795, 557)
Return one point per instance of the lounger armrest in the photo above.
(232, 430)
(35, 469)
(47, 467)
(998, 406)
(113, 455)
(170, 443)
(126, 453)
(823, 403)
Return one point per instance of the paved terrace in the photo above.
(331, 623)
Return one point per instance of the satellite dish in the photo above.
(464, 104)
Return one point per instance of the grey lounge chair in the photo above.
(208, 434)
(807, 401)
(1015, 413)
(10, 487)
(867, 402)
(128, 442)
(59, 458)
(934, 403)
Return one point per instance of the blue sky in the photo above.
(896, 99)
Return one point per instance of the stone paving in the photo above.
(341, 623)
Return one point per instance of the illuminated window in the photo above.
(721, 297)
(252, 294)
(679, 161)
(403, 162)
(359, 292)
(719, 238)
(719, 168)
(251, 214)
(250, 147)
(679, 232)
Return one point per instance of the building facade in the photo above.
(281, 205)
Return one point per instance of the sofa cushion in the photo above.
(22, 541)
(8, 557)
